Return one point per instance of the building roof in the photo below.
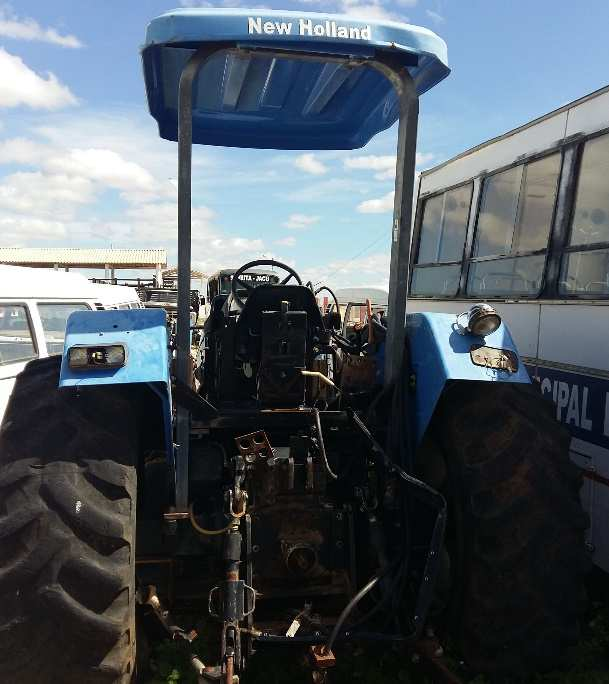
(173, 272)
(83, 258)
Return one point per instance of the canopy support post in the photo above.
(401, 231)
(183, 360)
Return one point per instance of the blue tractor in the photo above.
(312, 490)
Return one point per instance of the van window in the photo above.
(515, 218)
(54, 319)
(16, 339)
(587, 272)
(443, 229)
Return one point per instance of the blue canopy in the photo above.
(265, 101)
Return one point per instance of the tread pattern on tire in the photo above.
(523, 528)
(68, 485)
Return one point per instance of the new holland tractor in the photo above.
(311, 492)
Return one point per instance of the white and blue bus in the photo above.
(522, 221)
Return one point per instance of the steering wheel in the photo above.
(236, 280)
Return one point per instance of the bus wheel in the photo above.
(518, 531)
(67, 523)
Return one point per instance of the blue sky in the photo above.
(81, 163)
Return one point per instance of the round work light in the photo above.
(482, 320)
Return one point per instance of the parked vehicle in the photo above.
(282, 504)
(35, 304)
(219, 283)
(522, 221)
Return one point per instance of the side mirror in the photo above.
(202, 300)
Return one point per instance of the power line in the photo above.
(355, 256)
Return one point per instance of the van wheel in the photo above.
(67, 523)
(519, 546)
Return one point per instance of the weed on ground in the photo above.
(588, 663)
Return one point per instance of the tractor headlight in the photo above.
(482, 320)
(101, 356)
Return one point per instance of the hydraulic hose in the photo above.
(347, 611)
(322, 447)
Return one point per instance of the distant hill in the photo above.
(360, 294)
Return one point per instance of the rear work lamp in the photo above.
(482, 319)
(100, 356)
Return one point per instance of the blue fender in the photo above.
(143, 333)
(439, 353)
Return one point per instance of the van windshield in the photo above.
(54, 318)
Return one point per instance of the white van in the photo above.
(34, 306)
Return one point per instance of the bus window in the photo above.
(443, 230)
(515, 219)
(586, 272)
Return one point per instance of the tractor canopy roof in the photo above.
(255, 99)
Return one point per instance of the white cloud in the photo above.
(20, 86)
(66, 192)
(369, 270)
(362, 9)
(65, 180)
(110, 169)
(377, 206)
(19, 151)
(358, 9)
(17, 230)
(288, 241)
(300, 221)
(424, 158)
(11, 26)
(371, 161)
(384, 165)
(435, 16)
(39, 194)
(158, 221)
(375, 10)
(310, 164)
(328, 190)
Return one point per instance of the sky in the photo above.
(81, 163)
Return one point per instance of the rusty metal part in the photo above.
(431, 658)
(230, 667)
(164, 616)
(321, 658)
(197, 665)
(303, 616)
(254, 444)
(358, 373)
(176, 515)
(251, 631)
(370, 328)
(491, 357)
(171, 563)
(310, 479)
(300, 558)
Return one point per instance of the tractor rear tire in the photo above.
(68, 481)
(519, 546)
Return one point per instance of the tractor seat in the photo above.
(269, 298)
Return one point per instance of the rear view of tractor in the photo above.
(313, 490)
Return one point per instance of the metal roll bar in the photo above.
(403, 84)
